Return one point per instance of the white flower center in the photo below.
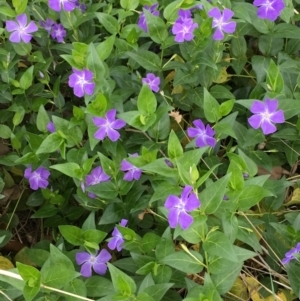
(266, 115)
(180, 206)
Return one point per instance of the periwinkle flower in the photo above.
(96, 176)
(108, 126)
(142, 22)
(82, 82)
(58, 33)
(117, 238)
(96, 262)
(133, 172)
(58, 5)
(179, 206)
(20, 30)
(204, 135)
(47, 24)
(269, 9)
(184, 15)
(183, 29)
(265, 114)
(80, 6)
(38, 178)
(292, 254)
(152, 81)
(221, 21)
(50, 127)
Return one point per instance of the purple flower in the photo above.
(117, 238)
(81, 81)
(292, 254)
(169, 163)
(221, 22)
(183, 30)
(58, 32)
(20, 30)
(108, 126)
(50, 127)
(269, 9)
(89, 261)
(265, 115)
(96, 176)
(57, 5)
(152, 81)
(47, 24)
(80, 6)
(178, 208)
(142, 22)
(38, 178)
(184, 15)
(204, 135)
(132, 171)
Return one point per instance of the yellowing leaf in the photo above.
(5, 264)
(280, 295)
(222, 77)
(239, 289)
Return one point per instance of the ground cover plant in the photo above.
(149, 150)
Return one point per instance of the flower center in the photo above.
(92, 259)
(266, 115)
(180, 206)
(58, 32)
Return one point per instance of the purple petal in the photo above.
(268, 127)
(286, 260)
(26, 37)
(68, 6)
(124, 222)
(125, 165)
(218, 34)
(112, 244)
(277, 117)
(185, 193)
(31, 27)
(82, 257)
(192, 203)
(227, 14)
(229, 27)
(112, 134)
(111, 115)
(104, 256)
(199, 124)
(54, 4)
(88, 75)
(100, 133)
(27, 172)
(215, 13)
(258, 107)
(78, 90)
(118, 124)
(271, 105)
(72, 80)
(100, 268)
(15, 37)
(185, 220)
(255, 121)
(99, 121)
(12, 26)
(86, 269)
(172, 201)
(137, 174)
(192, 132)
(22, 20)
(209, 131)
(173, 217)
(211, 141)
(259, 2)
(43, 183)
(89, 88)
(51, 127)
(128, 176)
(200, 141)
(34, 183)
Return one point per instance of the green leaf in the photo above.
(163, 190)
(121, 282)
(286, 31)
(147, 59)
(293, 271)
(104, 49)
(218, 244)
(95, 64)
(99, 286)
(211, 107)
(29, 291)
(274, 78)
(50, 144)
(175, 149)
(106, 190)
(157, 28)
(109, 22)
(212, 196)
(28, 272)
(71, 234)
(146, 102)
(70, 169)
(160, 167)
(76, 287)
(20, 6)
(129, 4)
(94, 236)
(165, 246)
(157, 291)
(58, 270)
(42, 119)
(7, 11)
(226, 107)
(26, 78)
(184, 262)
(171, 10)
(48, 210)
(5, 131)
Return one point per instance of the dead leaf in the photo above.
(239, 289)
(177, 89)
(5, 264)
(176, 115)
(4, 149)
(276, 173)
